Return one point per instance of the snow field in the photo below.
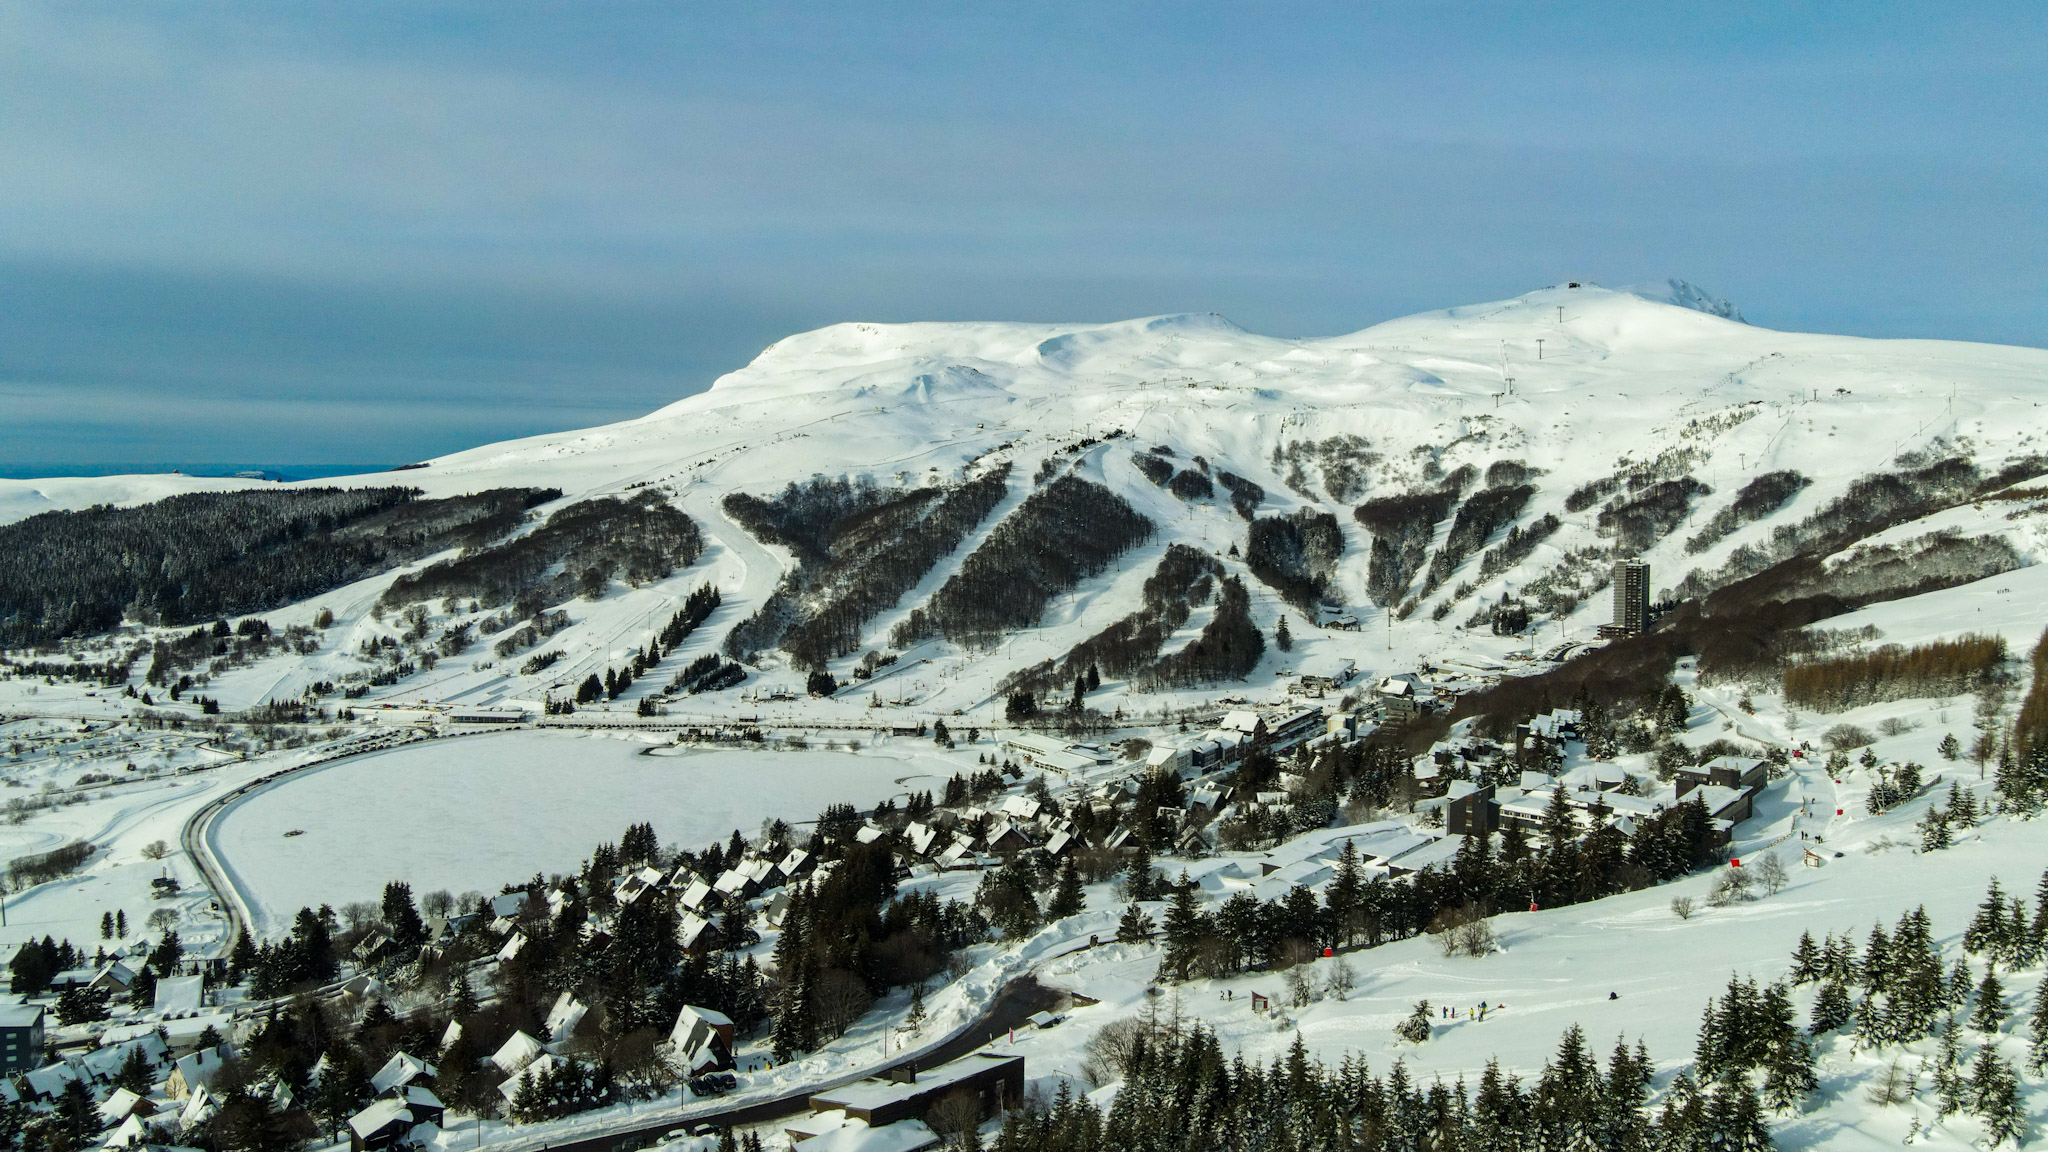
(476, 812)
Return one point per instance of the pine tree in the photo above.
(1831, 1009)
(1988, 926)
(1991, 1006)
(1416, 1028)
(106, 925)
(1736, 1118)
(1806, 961)
(1948, 1079)
(121, 922)
(1934, 834)
(1282, 638)
(1950, 748)
(1135, 926)
(1067, 897)
(914, 1018)
(464, 1005)
(1140, 883)
(1788, 1073)
(1995, 1100)
(2037, 1048)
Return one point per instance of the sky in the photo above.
(371, 233)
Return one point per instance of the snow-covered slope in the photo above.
(1574, 382)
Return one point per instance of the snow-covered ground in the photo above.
(474, 813)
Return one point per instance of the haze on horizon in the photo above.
(379, 232)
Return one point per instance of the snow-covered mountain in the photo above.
(1640, 420)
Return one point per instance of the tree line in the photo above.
(577, 551)
(1063, 533)
(1894, 672)
(203, 555)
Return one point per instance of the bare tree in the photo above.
(439, 902)
(1341, 979)
(162, 918)
(1682, 907)
(841, 998)
(361, 914)
(956, 1114)
(156, 850)
(1771, 875)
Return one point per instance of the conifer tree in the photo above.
(1934, 833)
(1988, 926)
(1995, 1099)
(1416, 1028)
(1831, 1009)
(1949, 1085)
(1067, 897)
(2037, 1048)
(1991, 1006)
(1736, 1118)
(1135, 926)
(1806, 962)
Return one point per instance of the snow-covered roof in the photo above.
(380, 1115)
(179, 995)
(540, 1064)
(517, 1052)
(566, 1014)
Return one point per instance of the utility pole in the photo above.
(1539, 347)
(1560, 313)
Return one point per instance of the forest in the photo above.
(1063, 533)
(1228, 648)
(1649, 513)
(1757, 499)
(1296, 555)
(1184, 579)
(200, 556)
(1485, 512)
(1401, 526)
(578, 551)
(859, 549)
(1893, 672)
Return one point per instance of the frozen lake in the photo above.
(481, 811)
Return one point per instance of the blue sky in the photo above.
(365, 233)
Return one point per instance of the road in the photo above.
(1012, 1008)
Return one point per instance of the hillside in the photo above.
(1638, 427)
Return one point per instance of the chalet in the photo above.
(694, 896)
(996, 1082)
(695, 933)
(401, 1071)
(701, 1040)
(512, 945)
(1336, 616)
(517, 1053)
(921, 837)
(538, 1066)
(195, 1071)
(1059, 844)
(564, 1016)
(1020, 807)
(1005, 838)
(179, 995)
(410, 1117)
(509, 904)
(792, 863)
(121, 1103)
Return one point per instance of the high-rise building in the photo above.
(1631, 597)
